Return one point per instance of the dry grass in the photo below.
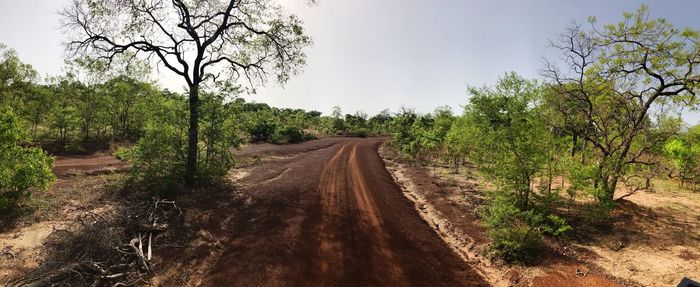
(651, 238)
(54, 211)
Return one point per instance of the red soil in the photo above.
(67, 165)
(332, 216)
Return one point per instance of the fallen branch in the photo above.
(138, 253)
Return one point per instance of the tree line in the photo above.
(603, 123)
(605, 117)
(91, 109)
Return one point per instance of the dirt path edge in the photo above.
(459, 242)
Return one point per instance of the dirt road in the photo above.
(330, 216)
(84, 164)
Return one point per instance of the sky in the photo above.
(369, 55)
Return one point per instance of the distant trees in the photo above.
(199, 41)
(380, 123)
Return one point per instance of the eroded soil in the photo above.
(329, 213)
(92, 164)
(330, 216)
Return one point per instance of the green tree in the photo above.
(127, 103)
(443, 121)
(680, 152)
(199, 41)
(510, 138)
(16, 79)
(616, 75)
(459, 141)
(380, 123)
(511, 144)
(64, 115)
(22, 168)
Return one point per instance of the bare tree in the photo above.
(616, 78)
(199, 40)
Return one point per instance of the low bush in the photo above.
(290, 135)
(261, 131)
(159, 157)
(22, 168)
(123, 153)
(516, 234)
(513, 236)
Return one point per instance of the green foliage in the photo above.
(516, 234)
(262, 131)
(555, 225)
(684, 152)
(380, 123)
(158, 158)
(291, 135)
(619, 85)
(510, 140)
(418, 136)
(513, 233)
(124, 153)
(680, 152)
(265, 124)
(16, 79)
(503, 133)
(22, 168)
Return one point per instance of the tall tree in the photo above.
(615, 79)
(509, 138)
(203, 40)
(16, 78)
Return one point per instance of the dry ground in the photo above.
(653, 240)
(323, 213)
(59, 209)
(328, 212)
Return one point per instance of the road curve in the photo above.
(331, 216)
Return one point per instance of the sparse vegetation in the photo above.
(547, 161)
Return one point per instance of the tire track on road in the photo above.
(331, 255)
(368, 209)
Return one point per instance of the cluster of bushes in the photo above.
(22, 167)
(264, 124)
(421, 136)
(608, 119)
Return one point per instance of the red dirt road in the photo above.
(84, 164)
(331, 216)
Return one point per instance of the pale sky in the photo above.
(374, 54)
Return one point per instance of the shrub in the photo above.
(22, 168)
(159, 157)
(158, 161)
(74, 148)
(291, 135)
(516, 234)
(308, 136)
(513, 233)
(517, 242)
(261, 131)
(123, 153)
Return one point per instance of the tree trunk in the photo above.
(191, 167)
